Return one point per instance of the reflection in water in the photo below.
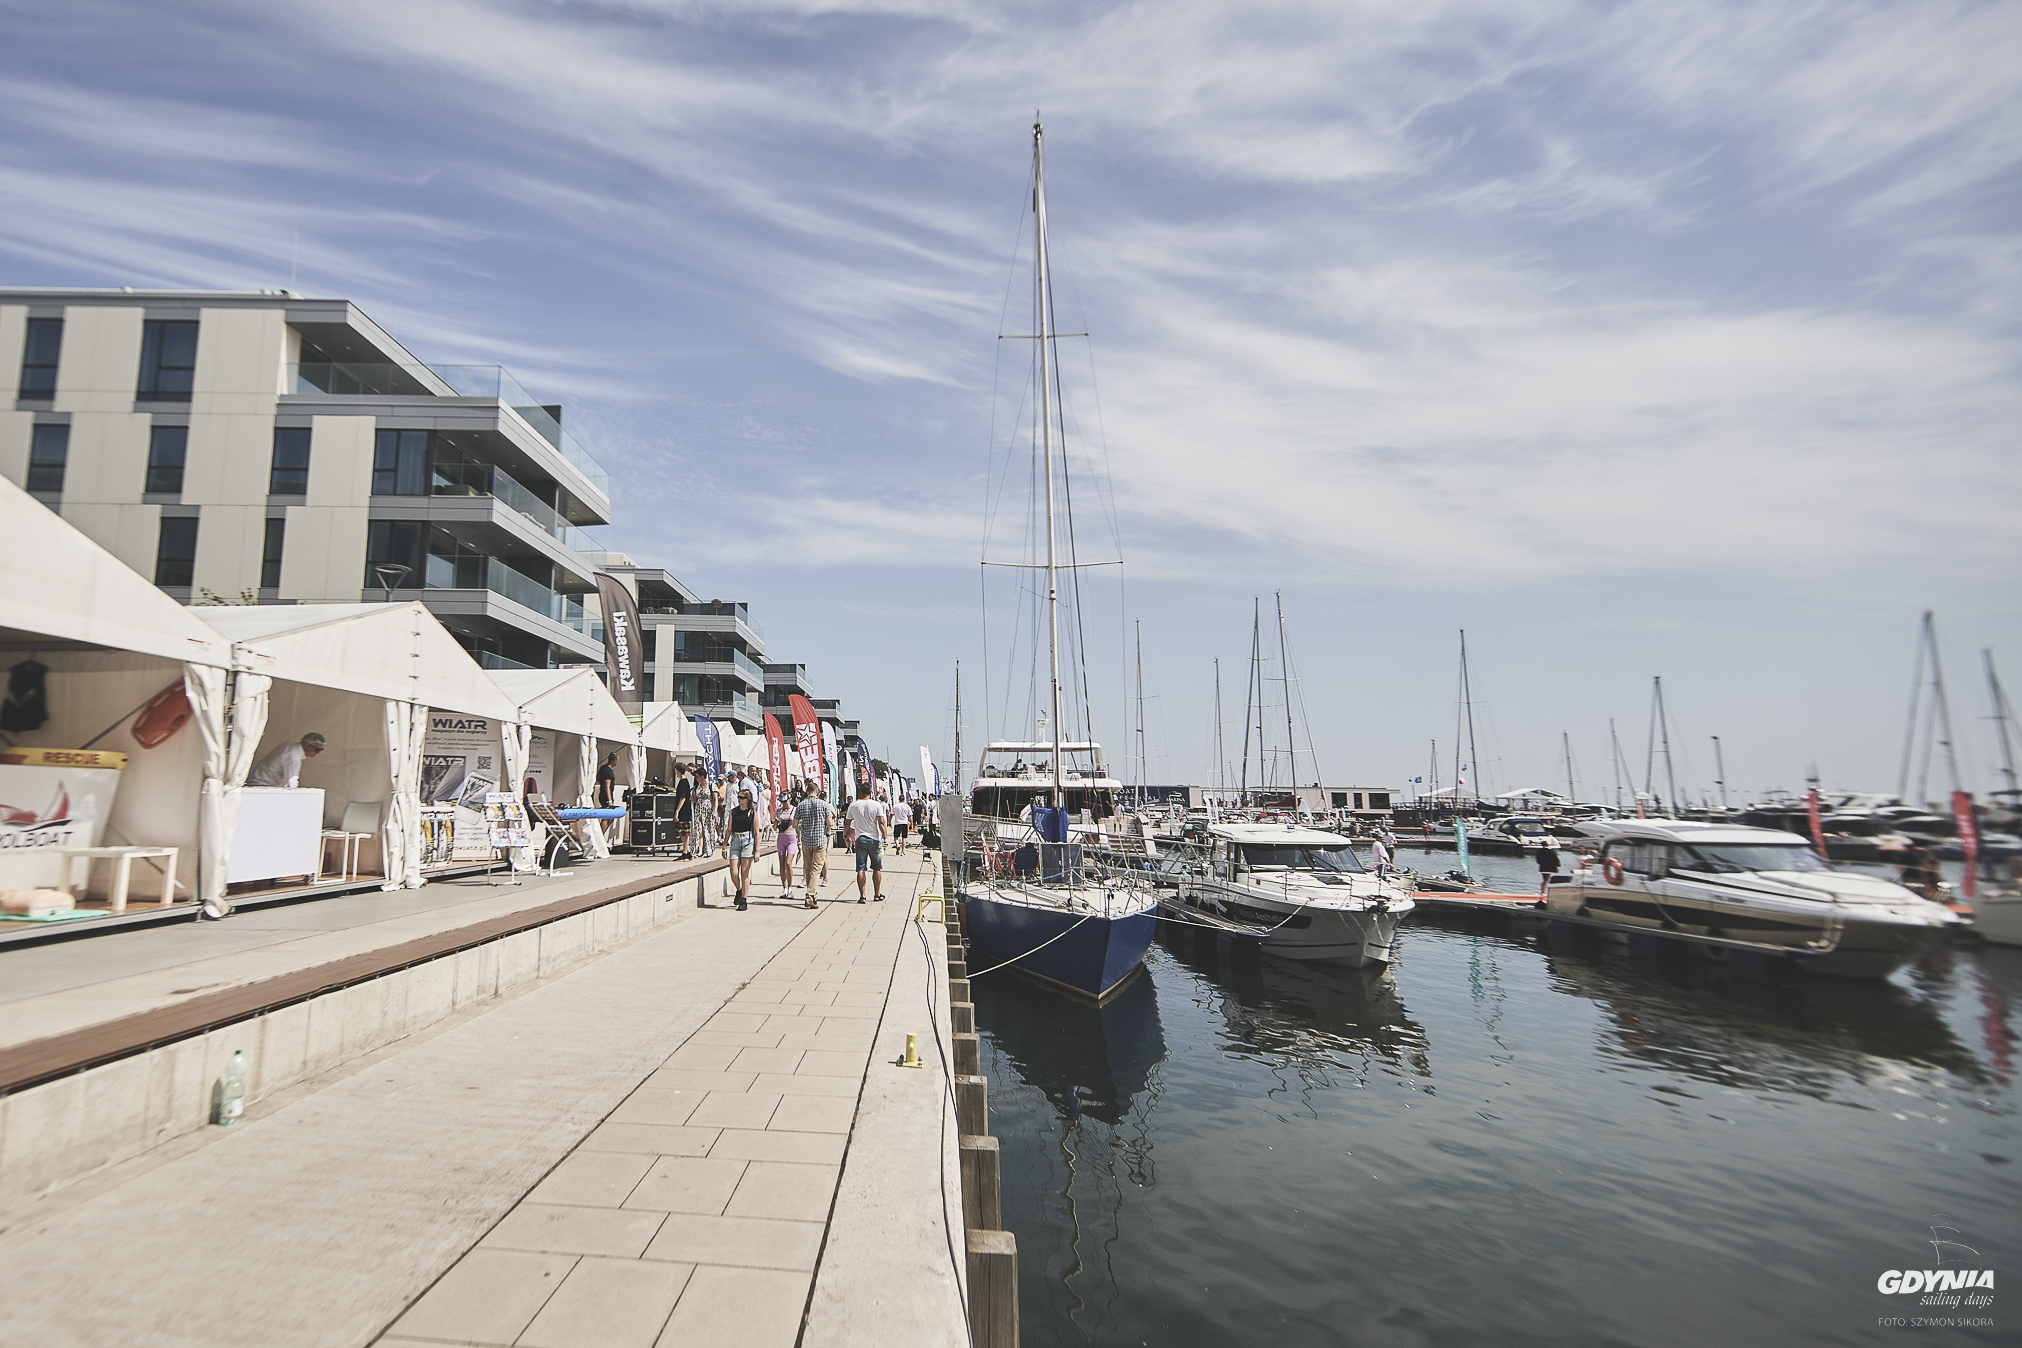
(1807, 1039)
(1098, 1068)
(1544, 1149)
(1316, 1024)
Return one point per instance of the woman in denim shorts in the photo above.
(743, 845)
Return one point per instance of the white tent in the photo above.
(578, 711)
(381, 682)
(113, 647)
(669, 737)
(1526, 792)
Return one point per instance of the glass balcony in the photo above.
(495, 381)
(494, 482)
(446, 381)
(741, 612)
(345, 379)
(490, 660)
(748, 666)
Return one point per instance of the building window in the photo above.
(48, 454)
(175, 552)
(38, 361)
(396, 544)
(400, 463)
(166, 448)
(290, 473)
(270, 554)
(168, 360)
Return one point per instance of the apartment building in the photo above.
(706, 654)
(272, 448)
(268, 446)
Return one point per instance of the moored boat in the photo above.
(1744, 888)
(1302, 891)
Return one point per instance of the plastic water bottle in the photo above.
(234, 1102)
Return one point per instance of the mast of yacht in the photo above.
(1285, 677)
(2001, 715)
(958, 728)
(1044, 282)
(1660, 740)
(1720, 769)
(1473, 754)
(1221, 774)
(1139, 622)
(1615, 742)
(1572, 792)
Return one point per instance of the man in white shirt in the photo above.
(868, 825)
(902, 821)
(283, 767)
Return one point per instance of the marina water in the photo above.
(1497, 1142)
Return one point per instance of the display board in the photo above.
(506, 821)
(460, 769)
(51, 800)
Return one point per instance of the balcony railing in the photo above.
(741, 612)
(490, 660)
(489, 573)
(345, 379)
(495, 381)
(502, 486)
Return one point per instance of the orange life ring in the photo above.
(1613, 870)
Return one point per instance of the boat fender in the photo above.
(1612, 869)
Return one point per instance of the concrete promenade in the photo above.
(698, 1137)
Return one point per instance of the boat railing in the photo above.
(1009, 851)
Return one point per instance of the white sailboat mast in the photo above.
(1045, 305)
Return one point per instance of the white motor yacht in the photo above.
(1304, 890)
(1758, 885)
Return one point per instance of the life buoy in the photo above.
(1612, 869)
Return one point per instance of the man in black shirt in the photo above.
(607, 782)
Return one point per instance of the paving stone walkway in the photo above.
(696, 1212)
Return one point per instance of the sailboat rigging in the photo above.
(1039, 906)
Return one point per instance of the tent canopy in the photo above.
(571, 700)
(1524, 791)
(69, 589)
(668, 727)
(395, 651)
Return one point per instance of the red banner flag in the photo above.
(807, 738)
(1817, 826)
(1969, 839)
(775, 749)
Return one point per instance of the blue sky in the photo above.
(1635, 339)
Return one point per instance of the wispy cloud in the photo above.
(1465, 296)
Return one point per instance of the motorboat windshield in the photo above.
(1283, 857)
(1733, 858)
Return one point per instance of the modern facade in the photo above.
(269, 447)
(706, 654)
(266, 447)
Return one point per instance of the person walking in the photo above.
(902, 822)
(786, 843)
(811, 820)
(705, 815)
(742, 845)
(732, 784)
(869, 825)
(1548, 865)
(684, 810)
(1379, 854)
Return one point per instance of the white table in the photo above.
(280, 832)
(122, 859)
